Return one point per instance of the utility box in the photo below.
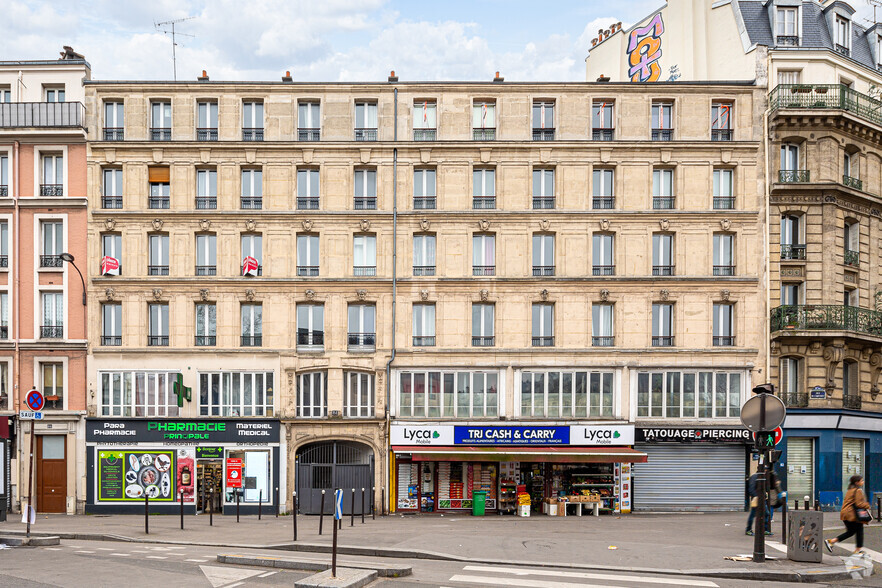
(805, 536)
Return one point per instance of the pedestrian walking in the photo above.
(754, 503)
(776, 496)
(855, 514)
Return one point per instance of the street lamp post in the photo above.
(69, 258)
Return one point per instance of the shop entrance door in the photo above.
(51, 473)
(333, 464)
(209, 484)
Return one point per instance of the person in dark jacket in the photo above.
(854, 499)
(754, 502)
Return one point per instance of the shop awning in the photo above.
(540, 454)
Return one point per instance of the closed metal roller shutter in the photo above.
(690, 477)
(852, 460)
(800, 456)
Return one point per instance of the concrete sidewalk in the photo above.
(670, 543)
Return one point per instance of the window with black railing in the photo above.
(724, 270)
(424, 134)
(483, 341)
(307, 203)
(724, 202)
(545, 341)
(251, 202)
(4, 261)
(602, 120)
(206, 270)
(157, 340)
(851, 258)
(424, 203)
(543, 134)
(366, 134)
(603, 134)
(4, 190)
(252, 340)
(484, 202)
(721, 134)
(206, 340)
(603, 270)
(789, 176)
(662, 341)
(310, 338)
(308, 271)
(852, 401)
(364, 270)
(51, 261)
(111, 340)
(842, 49)
(603, 202)
(52, 332)
(158, 202)
(662, 134)
(252, 134)
(160, 134)
(309, 134)
(787, 40)
(362, 340)
(724, 341)
(206, 202)
(423, 341)
(543, 270)
(603, 341)
(483, 134)
(157, 270)
(663, 270)
(114, 134)
(662, 127)
(206, 134)
(483, 270)
(111, 202)
(662, 202)
(242, 269)
(365, 203)
(792, 252)
(51, 189)
(424, 270)
(543, 202)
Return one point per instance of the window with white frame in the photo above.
(4, 386)
(722, 120)
(425, 120)
(160, 121)
(723, 324)
(358, 397)
(252, 246)
(662, 325)
(52, 383)
(158, 255)
(423, 325)
(52, 181)
(364, 253)
(111, 246)
(111, 323)
(54, 93)
(4, 244)
(603, 120)
(111, 187)
(483, 325)
(465, 394)
(724, 198)
(785, 25)
(483, 120)
(114, 120)
(365, 121)
(206, 121)
(543, 254)
(206, 188)
(4, 175)
(309, 121)
(602, 325)
(602, 258)
(52, 322)
(53, 243)
(566, 394)
(424, 255)
(852, 238)
(252, 121)
(206, 324)
(307, 188)
(484, 188)
(365, 189)
(307, 255)
(791, 294)
(689, 395)
(312, 394)
(789, 157)
(602, 185)
(662, 254)
(252, 189)
(234, 394)
(662, 121)
(484, 254)
(543, 120)
(724, 254)
(310, 325)
(663, 188)
(543, 324)
(158, 325)
(792, 237)
(789, 77)
(424, 189)
(543, 188)
(139, 393)
(851, 379)
(206, 254)
(252, 324)
(790, 378)
(5, 94)
(362, 322)
(842, 33)
(4, 315)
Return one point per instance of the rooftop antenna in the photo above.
(875, 4)
(163, 28)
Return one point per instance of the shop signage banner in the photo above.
(602, 435)
(209, 453)
(447, 435)
(694, 435)
(469, 435)
(188, 431)
(130, 475)
(420, 434)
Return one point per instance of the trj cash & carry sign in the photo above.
(514, 434)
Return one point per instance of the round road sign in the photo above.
(35, 400)
(752, 413)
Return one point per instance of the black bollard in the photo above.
(807, 503)
(373, 509)
(146, 514)
(879, 508)
(362, 506)
(182, 510)
(322, 513)
(796, 504)
(260, 505)
(294, 514)
(383, 501)
(277, 502)
(237, 505)
(352, 511)
(211, 507)
(784, 521)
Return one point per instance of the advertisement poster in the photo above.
(186, 474)
(125, 475)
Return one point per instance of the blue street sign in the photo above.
(338, 504)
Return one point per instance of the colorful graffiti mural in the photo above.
(645, 50)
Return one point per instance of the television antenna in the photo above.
(163, 27)
(875, 4)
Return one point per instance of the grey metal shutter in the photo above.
(800, 455)
(852, 460)
(690, 477)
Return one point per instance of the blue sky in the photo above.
(328, 40)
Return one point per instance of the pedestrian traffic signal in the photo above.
(764, 389)
(775, 455)
(765, 440)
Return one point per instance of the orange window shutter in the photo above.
(158, 175)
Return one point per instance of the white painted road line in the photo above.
(53, 549)
(589, 576)
(104, 549)
(156, 557)
(267, 575)
(197, 560)
(122, 554)
(488, 581)
(84, 552)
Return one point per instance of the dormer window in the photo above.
(879, 52)
(842, 34)
(786, 30)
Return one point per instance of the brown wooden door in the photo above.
(51, 473)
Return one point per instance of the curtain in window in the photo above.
(484, 250)
(484, 115)
(602, 320)
(424, 115)
(53, 309)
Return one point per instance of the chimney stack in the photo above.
(392, 77)
(287, 77)
(603, 78)
(203, 77)
(498, 78)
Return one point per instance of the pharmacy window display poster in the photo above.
(125, 475)
(186, 468)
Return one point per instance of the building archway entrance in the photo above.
(327, 465)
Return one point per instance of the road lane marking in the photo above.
(267, 575)
(156, 557)
(197, 560)
(122, 554)
(589, 576)
(84, 552)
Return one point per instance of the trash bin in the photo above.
(805, 533)
(479, 501)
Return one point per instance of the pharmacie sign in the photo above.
(514, 434)
(693, 435)
(187, 431)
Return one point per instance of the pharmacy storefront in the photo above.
(204, 462)
(445, 467)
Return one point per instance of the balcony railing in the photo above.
(160, 134)
(158, 202)
(52, 332)
(484, 202)
(206, 202)
(542, 341)
(543, 270)
(827, 96)
(4, 190)
(364, 270)
(207, 134)
(724, 270)
(366, 203)
(51, 189)
(111, 340)
(206, 270)
(602, 341)
(365, 134)
(794, 176)
(827, 317)
(662, 134)
(603, 135)
(424, 270)
(362, 340)
(603, 270)
(794, 400)
(157, 340)
(307, 203)
(424, 134)
(424, 202)
(852, 258)
(4, 261)
(483, 134)
(252, 134)
(41, 114)
(787, 41)
(603, 202)
(206, 340)
(662, 202)
(724, 202)
(114, 133)
(479, 341)
(51, 261)
(157, 270)
(543, 202)
(842, 49)
(309, 134)
(483, 270)
(308, 271)
(721, 134)
(663, 270)
(251, 202)
(723, 341)
(851, 182)
(543, 134)
(852, 401)
(423, 341)
(4, 331)
(792, 252)
(311, 339)
(662, 341)
(111, 202)
(252, 341)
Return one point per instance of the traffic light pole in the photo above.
(759, 537)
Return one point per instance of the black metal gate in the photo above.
(333, 464)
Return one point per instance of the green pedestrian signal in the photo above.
(765, 440)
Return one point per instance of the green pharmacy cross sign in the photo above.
(181, 391)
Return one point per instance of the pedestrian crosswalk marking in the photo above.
(589, 576)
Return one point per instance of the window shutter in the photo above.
(158, 175)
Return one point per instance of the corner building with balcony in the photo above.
(825, 179)
(42, 302)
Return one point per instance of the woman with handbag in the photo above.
(855, 514)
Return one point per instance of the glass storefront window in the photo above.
(256, 477)
(138, 393)
(448, 394)
(236, 394)
(689, 395)
(566, 394)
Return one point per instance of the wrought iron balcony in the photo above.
(543, 270)
(41, 114)
(424, 202)
(851, 182)
(253, 134)
(423, 341)
(663, 270)
(111, 202)
(4, 261)
(483, 270)
(842, 49)
(111, 340)
(484, 202)
(364, 270)
(724, 202)
(251, 202)
(52, 332)
(483, 134)
(543, 202)
(603, 270)
(311, 339)
(160, 134)
(366, 203)
(827, 317)
(602, 341)
(792, 252)
(252, 341)
(157, 270)
(206, 270)
(309, 134)
(424, 270)
(157, 340)
(206, 202)
(366, 134)
(662, 202)
(542, 341)
(826, 96)
(852, 258)
(308, 271)
(362, 340)
(51, 261)
(724, 270)
(721, 134)
(51, 189)
(480, 341)
(4, 190)
(543, 134)
(852, 401)
(4, 331)
(662, 134)
(424, 134)
(206, 340)
(794, 400)
(787, 41)
(603, 202)
(206, 134)
(723, 341)
(307, 203)
(794, 176)
(603, 135)
(662, 341)
(158, 202)
(114, 133)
